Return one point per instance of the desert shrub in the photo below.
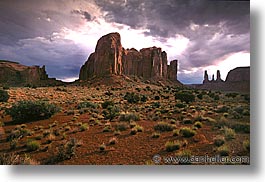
(107, 129)
(18, 133)
(185, 97)
(246, 145)
(121, 127)
(4, 96)
(239, 109)
(176, 132)
(66, 151)
(24, 111)
(222, 109)
(223, 150)
(155, 135)
(133, 124)
(198, 124)
(32, 145)
(156, 104)
(246, 97)
(200, 96)
(241, 128)
(229, 133)
(102, 147)
(187, 132)
(236, 115)
(157, 97)
(219, 140)
(111, 112)
(144, 98)
(13, 144)
(163, 126)
(83, 127)
(15, 159)
(107, 103)
(133, 131)
(216, 97)
(233, 95)
(187, 121)
(139, 128)
(86, 104)
(113, 141)
(129, 117)
(180, 105)
(172, 146)
(131, 97)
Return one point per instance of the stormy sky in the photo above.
(201, 34)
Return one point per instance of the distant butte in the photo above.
(237, 80)
(15, 74)
(110, 58)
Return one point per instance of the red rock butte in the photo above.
(110, 58)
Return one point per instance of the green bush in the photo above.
(198, 124)
(131, 97)
(129, 117)
(185, 97)
(229, 133)
(246, 145)
(4, 96)
(107, 103)
(187, 132)
(172, 146)
(219, 141)
(82, 105)
(32, 145)
(155, 135)
(111, 112)
(223, 150)
(25, 111)
(163, 126)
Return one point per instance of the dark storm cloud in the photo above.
(85, 14)
(63, 57)
(165, 18)
(228, 19)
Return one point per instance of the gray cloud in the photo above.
(85, 14)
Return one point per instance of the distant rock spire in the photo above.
(213, 77)
(218, 79)
(206, 77)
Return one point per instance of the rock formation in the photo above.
(110, 58)
(15, 74)
(237, 80)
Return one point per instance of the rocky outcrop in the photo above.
(237, 80)
(239, 74)
(15, 74)
(110, 58)
(172, 70)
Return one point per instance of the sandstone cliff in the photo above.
(110, 58)
(237, 80)
(15, 74)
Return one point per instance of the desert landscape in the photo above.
(126, 108)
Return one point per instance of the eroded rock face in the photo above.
(15, 74)
(108, 55)
(172, 70)
(238, 74)
(237, 80)
(110, 58)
